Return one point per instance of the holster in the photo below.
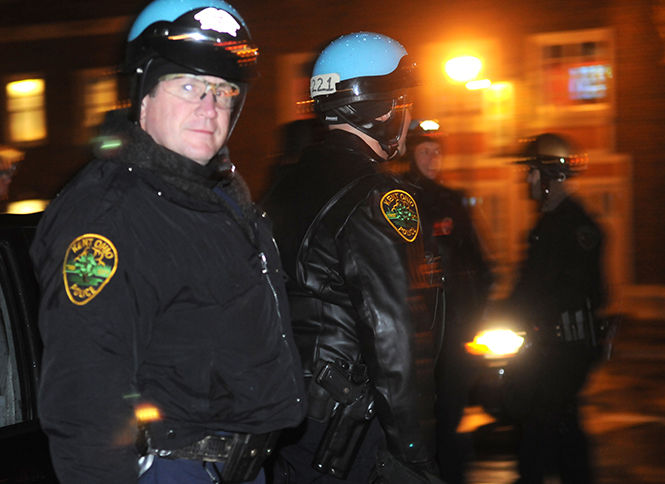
(246, 456)
(352, 411)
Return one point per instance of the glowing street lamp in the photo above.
(464, 68)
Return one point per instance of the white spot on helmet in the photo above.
(218, 20)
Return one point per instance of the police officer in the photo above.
(452, 240)
(558, 294)
(162, 297)
(349, 239)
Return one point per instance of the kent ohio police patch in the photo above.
(401, 212)
(90, 262)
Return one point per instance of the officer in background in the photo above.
(452, 240)
(162, 296)
(350, 245)
(559, 292)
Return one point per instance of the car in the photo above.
(23, 445)
(502, 345)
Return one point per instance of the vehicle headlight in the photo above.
(495, 343)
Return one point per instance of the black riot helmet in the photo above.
(553, 156)
(204, 37)
(423, 131)
(360, 77)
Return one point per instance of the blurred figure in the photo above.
(298, 135)
(349, 239)
(559, 292)
(164, 314)
(295, 136)
(9, 160)
(451, 238)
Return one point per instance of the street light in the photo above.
(464, 68)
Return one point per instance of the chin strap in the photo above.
(387, 133)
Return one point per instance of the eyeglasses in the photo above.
(193, 89)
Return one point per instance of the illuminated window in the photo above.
(100, 94)
(25, 108)
(576, 73)
(574, 69)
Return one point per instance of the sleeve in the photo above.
(89, 319)
(475, 270)
(373, 246)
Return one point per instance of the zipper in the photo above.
(264, 270)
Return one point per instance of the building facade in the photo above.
(593, 70)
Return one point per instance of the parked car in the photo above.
(23, 446)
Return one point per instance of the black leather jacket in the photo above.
(356, 280)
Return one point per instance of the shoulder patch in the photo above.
(587, 237)
(90, 262)
(401, 212)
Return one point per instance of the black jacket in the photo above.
(161, 285)
(562, 270)
(353, 267)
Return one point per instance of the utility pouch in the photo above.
(247, 452)
(351, 417)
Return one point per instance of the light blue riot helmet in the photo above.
(205, 37)
(360, 77)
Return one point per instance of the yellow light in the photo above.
(464, 68)
(479, 84)
(501, 91)
(495, 343)
(27, 206)
(429, 125)
(25, 87)
(147, 413)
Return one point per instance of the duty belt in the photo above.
(223, 447)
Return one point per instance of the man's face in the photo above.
(427, 157)
(535, 189)
(195, 128)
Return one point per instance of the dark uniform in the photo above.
(451, 238)
(559, 291)
(161, 286)
(348, 238)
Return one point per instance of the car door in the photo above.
(23, 446)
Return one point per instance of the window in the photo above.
(575, 74)
(100, 94)
(98, 90)
(573, 70)
(25, 109)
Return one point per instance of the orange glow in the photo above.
(495, 343)
(147, 413)
(25, 87)
(464, 68)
